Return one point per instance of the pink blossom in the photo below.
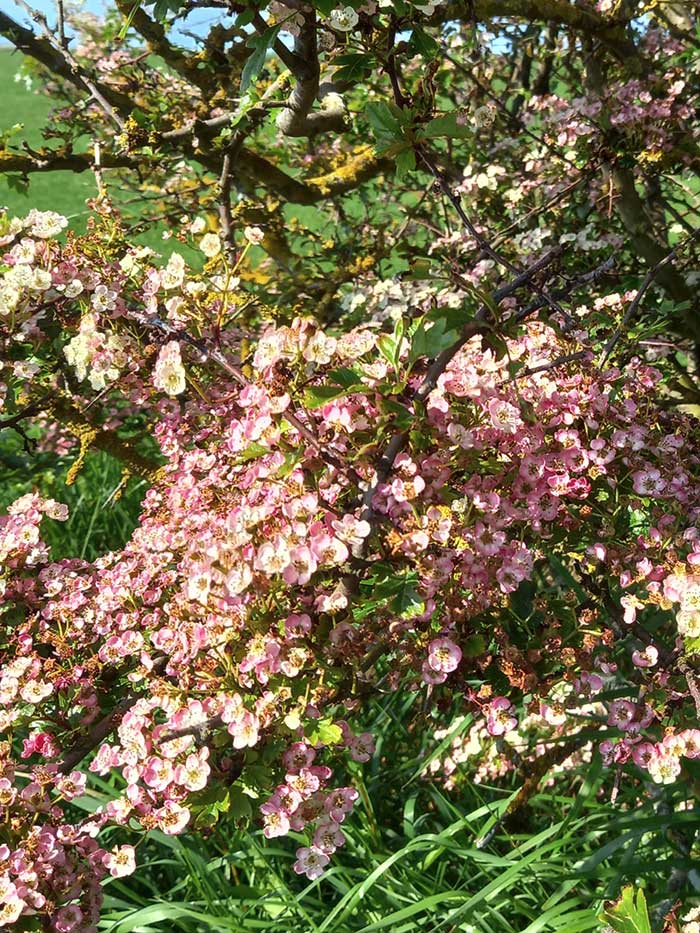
(311, 862)
(444, 655)
(361, 747)
(500, 718)
(121, 861)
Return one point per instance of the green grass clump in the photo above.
(103, 512)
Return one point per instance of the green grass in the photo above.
(102, 513)
(411, 863)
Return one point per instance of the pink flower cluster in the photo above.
(519, 540)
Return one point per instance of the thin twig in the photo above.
(74, 66)
(61, 24)
(482, 242)
(635, 303)
(225, 214)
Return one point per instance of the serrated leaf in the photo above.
(260, 45)
(325, 732)
(383, 120)
(628, 915)
(405, 163)
(407, 601)
(353, 67)
(447, 126)
(18, 183)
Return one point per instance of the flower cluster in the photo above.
(509, 555)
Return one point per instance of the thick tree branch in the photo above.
(59, 160)
(157, 41)
(61, 63)
(297, 119)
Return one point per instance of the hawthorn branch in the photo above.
(357, 169)
(61, 24)
(691, 680)
(114, 105)
(90, 436)
(59, 160)
(157, 41)
(588, 278)
(612, 31)
(45, 52)
(225, 215)
(536, 771)
(651, 275)
(297, 119)
(486, 248)
(102, 729)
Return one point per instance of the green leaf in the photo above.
(388, 123)
(316, 396)
(497, 344)
(474, 646)
(405, 163)
(421, 268)
(384, 120)
(325, 732)
(290, 462)
(252, 452)
(402, 417)
(353, 67)
(431, 338)
(389, 345)
(345, 377)
(239, 805)
(422, 43)
(18, 183)
(407, 602)
(254, 65)
(245, 18)
(161, 8)
(628, 915)
(448, 126)
(397, 589)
